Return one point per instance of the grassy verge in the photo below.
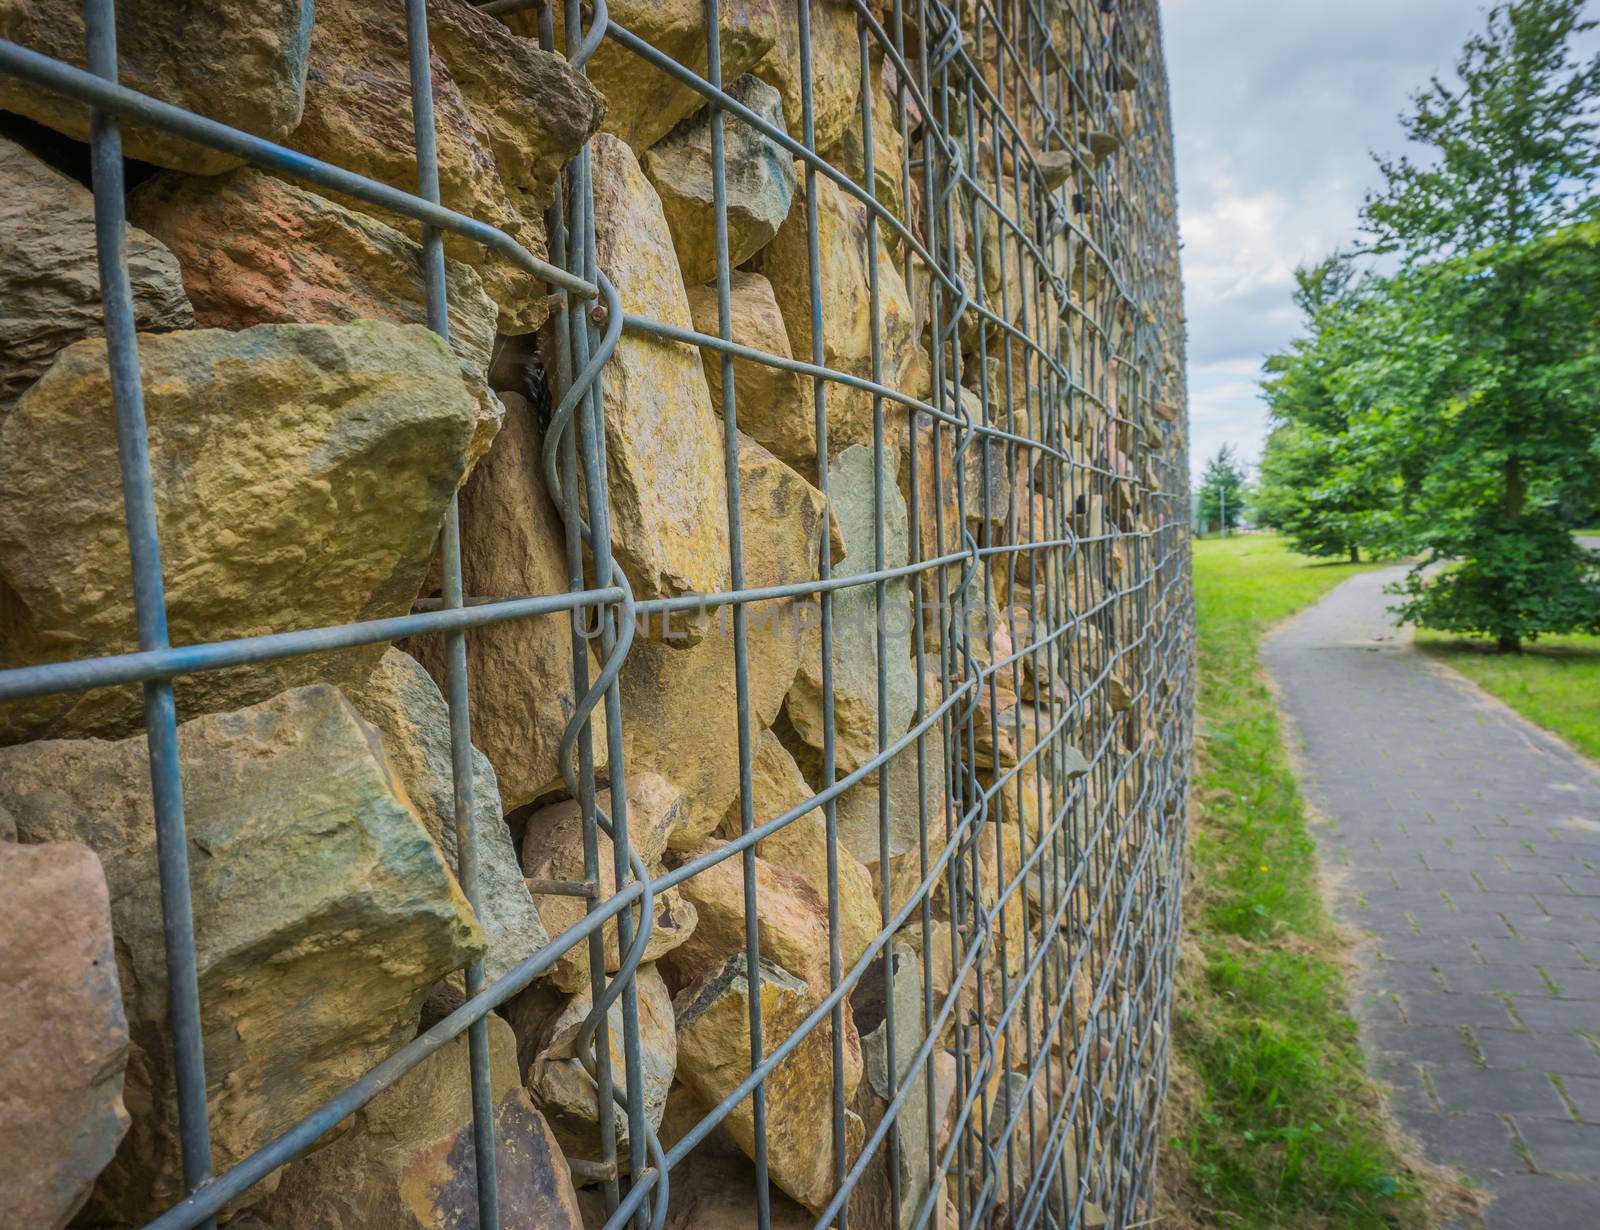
(1553, 682)
(1274, 1121)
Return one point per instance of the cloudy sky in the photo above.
(1276, 105)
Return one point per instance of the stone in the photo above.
(858, 819)
(643, 103)
(49, 278)
(713, 1189)
(409, 1162)
(566, 1093)
(801, 846)
(255, 250)
(774, 406)
(63, 1036)
(323, 916)
(301, 474)
(669, 496)
(888, 149)
(507, 117)
(406, 707)
(855, 624)
(714, 1057)
(887, 1072)
(791, 921)
(759, 182)
(552, 849)
(519, 672)
(847, 315)
(835, 69)
(681, 701)
(240, 64)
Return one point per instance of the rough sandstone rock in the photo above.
(774, 406)
(301, 473)
(49, 281)
(323, 916)
(642, 102)
(791, 921)
(886, 1074)
(855, 625)
(835, 68)
(519, 672)
(406, 707)
(801, 846)
(255, 250)
(565, 1092)
(681, 700)
(552, 849)
(714, 1057)
(507, 117)
(847, 315)
(759, 181)
(711, 1190)
(408, 1162)
(241, 64)
(669, 498)
(63, 1036)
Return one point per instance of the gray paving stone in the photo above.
(1473, 1142)
(1469, 1089)
(1524, 979)
(1556, 1015)
(1536, 1202)
(1432, 788)
(1556, 953)
(1559, 1147)
(1567, 1054)
(1443, 1008)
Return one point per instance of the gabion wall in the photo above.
(594, 612)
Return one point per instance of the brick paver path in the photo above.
(1468, 842)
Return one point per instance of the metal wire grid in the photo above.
(1075, 329)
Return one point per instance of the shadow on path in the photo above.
(1467, 841)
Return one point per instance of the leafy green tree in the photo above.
(1494, 270)
(1316, 485)
(1223, 487)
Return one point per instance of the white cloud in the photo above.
(1276, 106)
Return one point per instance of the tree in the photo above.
(1493, 261)
(1315, 486)
(1222, 491)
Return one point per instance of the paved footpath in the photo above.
(1468, 842)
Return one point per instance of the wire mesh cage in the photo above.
(810, 609)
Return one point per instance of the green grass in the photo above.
(1553, 683)
(1274, 1122)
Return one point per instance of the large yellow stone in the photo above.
(519, 672)
(301, 473)
(681, 700)
(835, 68)
(847, 311)
(669, 497)
(774, 407)
(241, 64)
(323, 915)
(642, 102)
(714, 1057)
(409, 1163)
(507, 116)
(801, 846)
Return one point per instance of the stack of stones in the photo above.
(307, 432)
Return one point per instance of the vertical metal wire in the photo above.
(150, 607)
(461, 769)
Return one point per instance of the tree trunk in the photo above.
(1508, 644)
(1355, 554)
